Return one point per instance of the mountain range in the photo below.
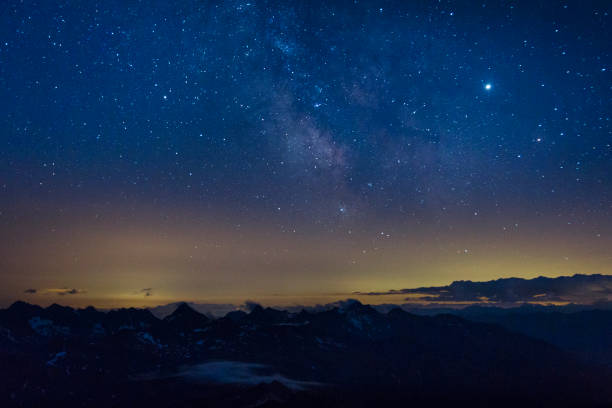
(346, 356)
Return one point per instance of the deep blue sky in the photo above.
(356, 119)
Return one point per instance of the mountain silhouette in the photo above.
(348, 355)
(185, 319)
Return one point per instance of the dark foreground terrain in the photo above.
(349, 356)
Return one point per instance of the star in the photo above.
(488, 86)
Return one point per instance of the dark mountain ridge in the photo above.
(85, 356)
(585, 333)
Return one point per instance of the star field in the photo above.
(301, 147)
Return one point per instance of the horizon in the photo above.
(397, 296)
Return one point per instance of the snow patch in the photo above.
(148, 338)
(236, 372)
(46, 327)
(55, 358)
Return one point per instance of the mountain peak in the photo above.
(257, 309)
(19, 304)
(355, 306)
(185, 315)
(55, 308)
(21, 307)
(184, 307)
(267, 315)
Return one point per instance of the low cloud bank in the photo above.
(578, 289)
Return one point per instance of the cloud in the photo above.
(146, 292)
(30, 291)
(65, 291)
(579, 289)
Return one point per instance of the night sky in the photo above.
(295, 152)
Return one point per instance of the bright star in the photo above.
(488, 87)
